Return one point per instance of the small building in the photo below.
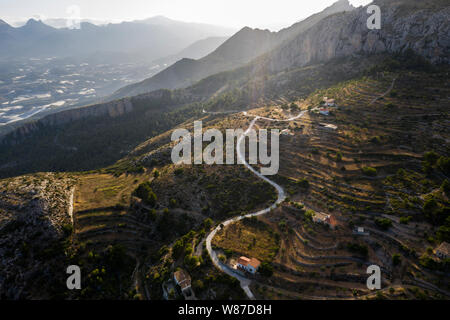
(286, 132)
(324, 218)
(324, 111)
(443, 251)
(360, 231)
(249, 265)
(182, 279)
(329, 102)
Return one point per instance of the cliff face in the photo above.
(112, 109)
(424, 30)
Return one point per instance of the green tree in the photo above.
(144, 191)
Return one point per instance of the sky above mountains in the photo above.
(231, 13)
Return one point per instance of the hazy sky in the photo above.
(233, 13)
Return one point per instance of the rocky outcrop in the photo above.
(404, 26)
(111, 109)
(34, 219)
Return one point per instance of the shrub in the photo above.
(396, 259)
(405, 220)
(145, 192)
(303, 183)
(431, 157)
(358, 248)
(444, 164)
(178, 171)
(383, 223)
(266, 269)
(369, 171)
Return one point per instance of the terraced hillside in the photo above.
(379, 160)
(372, 170)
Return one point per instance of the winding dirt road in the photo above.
(245, 282)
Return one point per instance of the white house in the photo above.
(360, 231)
(249, 265)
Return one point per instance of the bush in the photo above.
(303, 183)
(358, 248)
(145, 192)
(383, 223)
(369, 171)
(431, 157)
(405, 220)
(444, 164)
(396, 259)
(178, 171)
(266, 269)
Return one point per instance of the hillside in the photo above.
(364, 181)
(385, 120)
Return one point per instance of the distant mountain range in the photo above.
(239, 50)
(148, 40)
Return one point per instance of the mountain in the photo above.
(406, 25)
(196, 50)
(237, 51)
(148, 41)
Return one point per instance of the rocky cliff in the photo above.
(422, 27)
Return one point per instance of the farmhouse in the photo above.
(249, 265)
(329, 102)
(182, 279)
(324, 218)
(443, 251)
(360, 231)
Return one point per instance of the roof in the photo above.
(183, 279)
(444, 248)
(255, 263)
(244, 261)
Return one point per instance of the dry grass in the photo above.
(103, 190)
(255, 241)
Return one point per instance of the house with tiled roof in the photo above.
(248, 264)
(182, 279)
